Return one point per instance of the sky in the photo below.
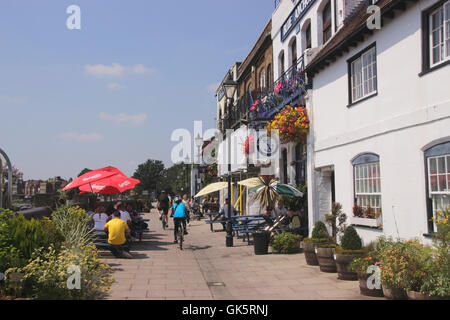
(113, 92)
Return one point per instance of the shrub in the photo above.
(74, 224)
(351, 240)
(361, 264)
(336, 220)
(320, 231)
(47, 274)
(285, 242)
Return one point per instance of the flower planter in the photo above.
(365, 222)
(395, 294)
(325, 256)
(342, 263)
(414, 295)
(365, 291)
(310, 253)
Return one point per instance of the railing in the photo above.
(265, 103)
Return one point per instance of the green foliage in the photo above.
(47, 274)
(74, 224)
(296, 203)
(320, 231)
(150, 173)
(351, 240)
(286, 242)
(362, 263)
(19, 238)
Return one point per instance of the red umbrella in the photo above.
(92, 176)
(111, 185)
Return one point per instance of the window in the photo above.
(262, 78)
(435, 37)
(439, 21)
(438, 176)
(269, 77)
(367, 184)
(294, 52)
(326, 22)
(363, 74)
(281, 63)
(308, 36)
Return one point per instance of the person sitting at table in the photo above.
(117, 230)
(224, 212)
(280, 210)
(99, 218)
(135, 218)
(294, 221)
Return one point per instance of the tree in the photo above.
(85, 170)
(151, 174)
(177, 179)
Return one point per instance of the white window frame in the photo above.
(365, 187)
(444, 34)
(358, 75)
(262, 78)
(439, 195)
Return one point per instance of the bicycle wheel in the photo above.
(180, 236)
(163, 219)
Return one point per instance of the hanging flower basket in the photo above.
(249, 145)
(292, 124)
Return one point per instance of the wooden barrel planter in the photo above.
(342, 265)
(310, 253)
(395, 294)
(414, 295)
(365, 291)
(325, 256)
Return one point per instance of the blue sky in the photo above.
(113, 92)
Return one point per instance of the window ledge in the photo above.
(436, 67)
(363, 99)
(365, 222)
(366, 227)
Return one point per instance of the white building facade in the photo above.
(380, 121)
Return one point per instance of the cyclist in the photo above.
(179, 216)
(163, 205)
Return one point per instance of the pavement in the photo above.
(208, 270)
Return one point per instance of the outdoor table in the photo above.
(246, 224)
(212, 221)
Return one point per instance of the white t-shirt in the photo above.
(281, 212)
(125, 216)
(99, 220)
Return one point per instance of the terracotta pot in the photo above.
(414, 295)
(395, 294)
(365, 291)
(342, 265)
(310, 253)
(325, 256)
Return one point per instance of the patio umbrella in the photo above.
(280, 188)
(92, 176)
(213, 187)
(111, 185)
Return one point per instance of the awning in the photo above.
(251, 182)
(213, 187)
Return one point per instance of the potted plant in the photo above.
(286, 243)
(395, 267)
(325, 257)
(319, 236)
(350, 249)
(429, 271)
(368, 284)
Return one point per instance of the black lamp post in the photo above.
(230, 88)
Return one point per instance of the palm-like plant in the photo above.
(267, 195)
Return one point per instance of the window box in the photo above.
(366, 222)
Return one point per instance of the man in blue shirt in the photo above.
(179, 216)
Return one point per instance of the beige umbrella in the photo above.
(213, 187)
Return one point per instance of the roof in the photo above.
(352, 32)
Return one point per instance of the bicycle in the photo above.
(163, 219)
(180, 235)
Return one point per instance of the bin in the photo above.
(261, 242)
